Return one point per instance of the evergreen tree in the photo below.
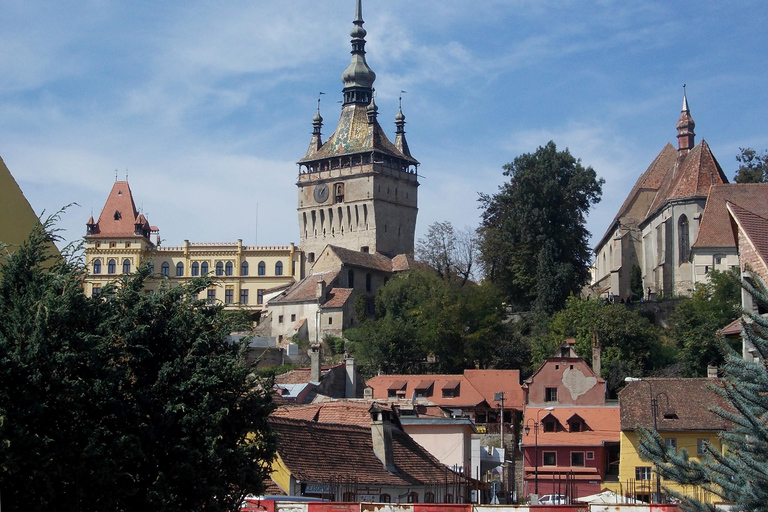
(740, 474)
(123, 401)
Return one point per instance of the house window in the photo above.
(204, 268)
(701, 446)
(642, 472)
(330, 320)
(179, 269)
(684, 239)
(111, 266)
(96, 290)
(385, 498)
(280, 319)
(228, 269)
(112, 245)
(311, 257)
(219, 268)
(550, 459)
(577, 458)
(351, 279)
(550, 395)
(338, 192)
(195, 269)
(367, 282)
(364, 249)
(229, 296)
(590, 455)
(262, 268)
(195, 296)
(549, 426)
(164, 269)
(259, 296)
(244, 296)
(348, 497)
(429, 497)
(413, 497)
(575, 426)
(126, 266)
(449, 498)
(97, 266)
(293, 317)
(244, 269)
(279, 268)
(127, 245)
(211, 295)
(671, 444)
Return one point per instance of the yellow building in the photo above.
(683, 419)
(121, 240)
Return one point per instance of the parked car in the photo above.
(553, 499)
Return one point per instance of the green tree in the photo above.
(696, 322)
(123, 401)
(636, 283)
(753, 166)
(630, 345)
(740, 474)
(452, 254)
(534, 242)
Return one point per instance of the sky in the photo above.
(206, 106)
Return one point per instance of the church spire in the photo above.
(685, 126)
(358, 78)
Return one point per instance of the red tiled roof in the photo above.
(602, 424)
(316, 452)
(119, 215)
(337, 297)
(336, 412)
(733, 329)
(362, 259)
(306, 289)
(715, 228)
(755, 227)
(689, 400)
(475, 387)
(690, 177)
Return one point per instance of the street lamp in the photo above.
(536, 445)
(654, 413)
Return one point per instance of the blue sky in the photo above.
(208, 105)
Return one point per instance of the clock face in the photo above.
(321, 193)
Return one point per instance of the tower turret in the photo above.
(685, 126)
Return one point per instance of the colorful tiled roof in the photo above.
(690, 401)
(602, 424)
(119, 216)
(317, 452)
(715, 228)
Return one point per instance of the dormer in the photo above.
(577, 424)
(550, 423)
(424, 388)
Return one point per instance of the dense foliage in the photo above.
(753, 166)
(740, 474)
(452, 254)
(534, 242)
(696, 322)
(123, 401)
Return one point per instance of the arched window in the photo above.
(195, 269)
(228, 268)
(368, 282)
(279, 268)
(262, 268)
(351, 279)
(244, 269)
(204, 268)
(413, 497)
(219, 268)
(684, 242)
(97, 266)
(111, 267)
(385, 498)
(126, 266)
(179, 269)
(164, 268)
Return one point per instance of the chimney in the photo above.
(314, 362)
(381, 435)
(596, 354)
(350, 390)
(320, 291)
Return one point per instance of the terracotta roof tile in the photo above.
(715, 228)
(119, 215)
(689, 399)
(337, 297)
(602, 424)
(755, 227)
(306, 289)
(335, 412)
(316, 452)
(490, 382)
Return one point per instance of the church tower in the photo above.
(358, 190)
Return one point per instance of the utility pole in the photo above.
(499, 397)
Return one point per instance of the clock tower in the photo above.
(358, 190)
